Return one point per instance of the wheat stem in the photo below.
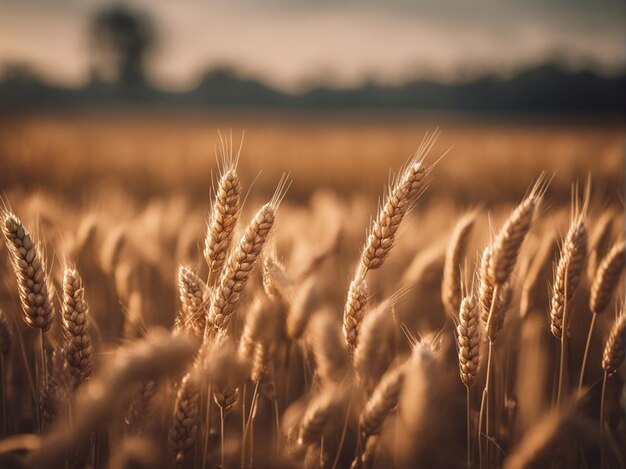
(484, 404)
(594, 316)
(222, 435)
(564, 332)
(469, 428)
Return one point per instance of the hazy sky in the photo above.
(289, 42)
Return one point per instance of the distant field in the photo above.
(151, 154)
(310, 345)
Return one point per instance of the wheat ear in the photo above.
(604, 283)
(568, 274)
(329, 350)
(493, 300)
(237, 270)
(468, 336)
(508, 242)
(185, 421)
(301, 308)
(140, 404)
(369, 354)
(606, 278)
(598, 242)
(451, 285)
(225, 212)
(78, 350)
(567, 277)
(400, 198)
(383, 401)
(318, 414)
(29, 267)
(194, 297)
(276, 283)
(354, 311)
(613, 354)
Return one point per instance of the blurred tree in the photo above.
(121, 40)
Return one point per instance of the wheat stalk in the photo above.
(6, 337)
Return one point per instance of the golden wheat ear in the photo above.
(226, 209)
(569, 269)
(451, 294)
(30, 270)
(239, 265)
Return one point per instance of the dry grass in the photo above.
(274, 336)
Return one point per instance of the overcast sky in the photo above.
(291, 42)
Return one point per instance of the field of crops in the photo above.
(325, 291)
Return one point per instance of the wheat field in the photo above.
(354, 291)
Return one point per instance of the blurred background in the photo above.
(98, 96)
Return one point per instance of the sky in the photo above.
(295, 43)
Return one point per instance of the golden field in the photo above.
(181, 361)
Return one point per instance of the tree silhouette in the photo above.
(121, 40)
